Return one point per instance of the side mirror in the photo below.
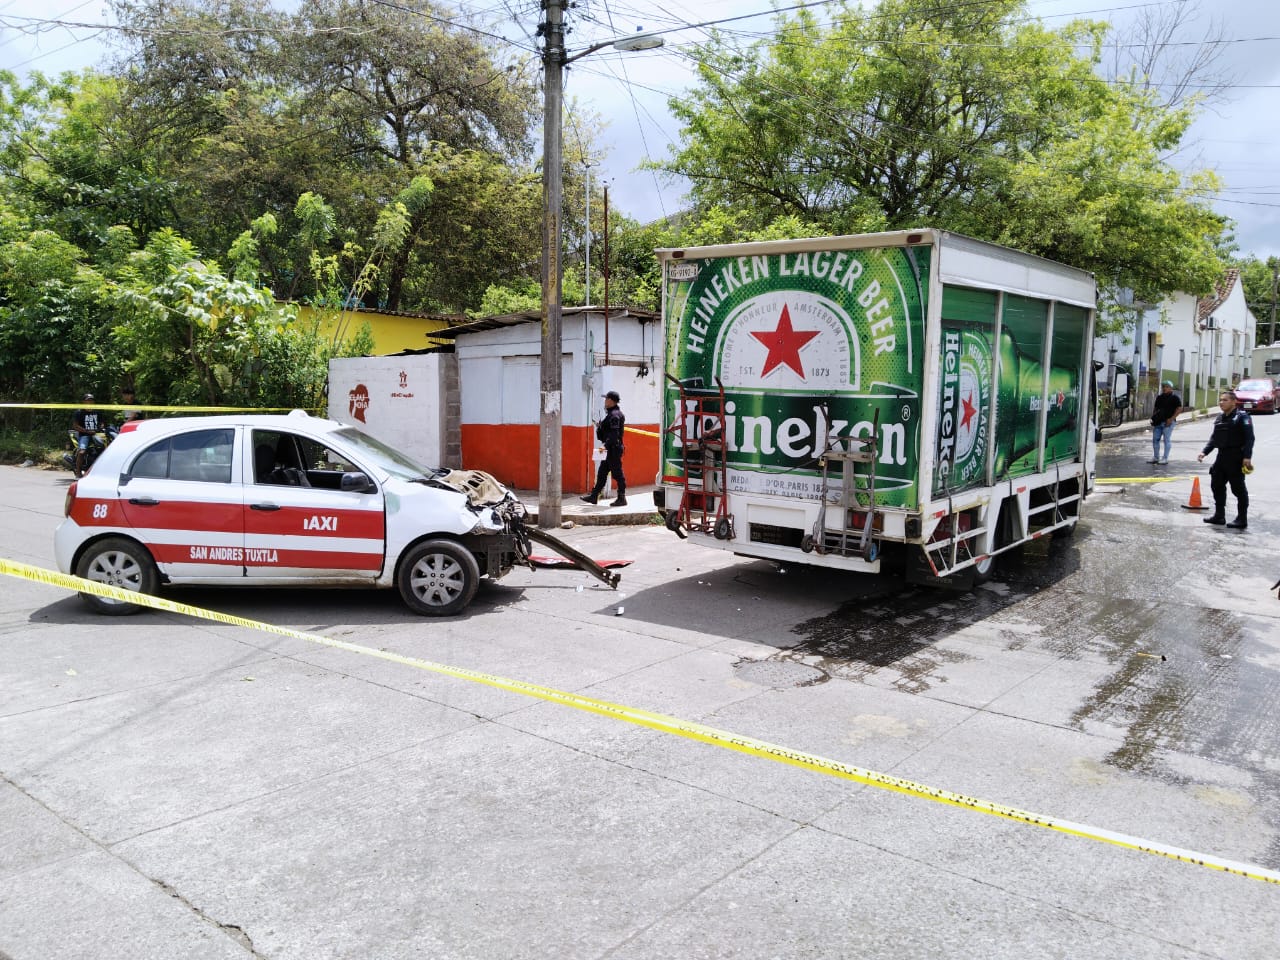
(356, 482)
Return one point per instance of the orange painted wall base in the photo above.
(510, 452)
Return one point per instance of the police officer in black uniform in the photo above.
(609, 432)
(1233, 439)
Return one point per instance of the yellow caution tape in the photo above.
(150, 408)
(672, 725)
(1138, 479)
(643, 433)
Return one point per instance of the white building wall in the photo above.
(1168, 337)
(500, 370)
(398, 400)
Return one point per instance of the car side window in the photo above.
(153, 462)
(289, 459)
(202, 455)
(278, 459)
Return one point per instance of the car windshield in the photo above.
(1255, 385)
(378, 453)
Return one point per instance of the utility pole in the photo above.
(1275, 276)
(550, 488)
(550, 415)
(607, 271)
(586, 298)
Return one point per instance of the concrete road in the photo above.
(175, 788)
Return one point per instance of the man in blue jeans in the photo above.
(1163, 418)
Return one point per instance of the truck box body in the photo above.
(1265, 361)
(964, 364)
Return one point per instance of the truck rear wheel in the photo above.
(983, 569)
(438, 578)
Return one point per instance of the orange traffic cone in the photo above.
(1194, 503)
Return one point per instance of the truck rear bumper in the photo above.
(781, 554)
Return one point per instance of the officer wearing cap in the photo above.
(85, 422)
(1164, 417)
(609, 432)
(1232, 437)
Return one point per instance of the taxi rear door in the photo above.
(179, 498)
(299, 524)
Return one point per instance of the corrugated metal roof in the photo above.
(535, 316)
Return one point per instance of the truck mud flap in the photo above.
(580, 559)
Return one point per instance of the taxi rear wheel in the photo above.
(118, 563)
(438, 578)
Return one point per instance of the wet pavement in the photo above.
(1180, 613)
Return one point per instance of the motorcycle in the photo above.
(97, 443)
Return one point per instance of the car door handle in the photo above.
(264, 506)
(144, 502)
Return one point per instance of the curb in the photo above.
(1142, 426)
(602, 518)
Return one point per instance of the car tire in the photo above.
(438, 578)
(121, 563)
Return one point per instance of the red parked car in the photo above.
(1257, 396)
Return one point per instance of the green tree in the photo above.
(52, 345)
(251, 109)
(1261, 282)
(967, 117)
(64, 164)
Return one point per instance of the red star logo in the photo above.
(969, 411)
(784, 344)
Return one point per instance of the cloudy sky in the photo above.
(1236, 136)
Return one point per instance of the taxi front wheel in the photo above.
(118, 563)
(438, 578)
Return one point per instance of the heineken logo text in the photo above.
(963, 407)
(800, 439)
(950, 386)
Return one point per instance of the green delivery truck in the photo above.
(918, 399)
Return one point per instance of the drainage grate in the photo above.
(779, 673)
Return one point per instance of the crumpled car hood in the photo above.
(481, 488)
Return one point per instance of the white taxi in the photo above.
(286, 501)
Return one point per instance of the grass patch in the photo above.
(43, 446)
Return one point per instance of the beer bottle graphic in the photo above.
(1020, 386)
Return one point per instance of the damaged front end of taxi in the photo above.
(502, 538)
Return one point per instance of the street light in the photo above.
(554, 59)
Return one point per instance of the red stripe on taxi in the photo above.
(308, 521)
(259, 557)
(165, 515)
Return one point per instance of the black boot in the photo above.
(1218, 518)
(1241, 522)
(622, 496)
(592, 497)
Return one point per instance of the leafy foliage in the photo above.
(967, 117)
(1259, 279)
(251, 109)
